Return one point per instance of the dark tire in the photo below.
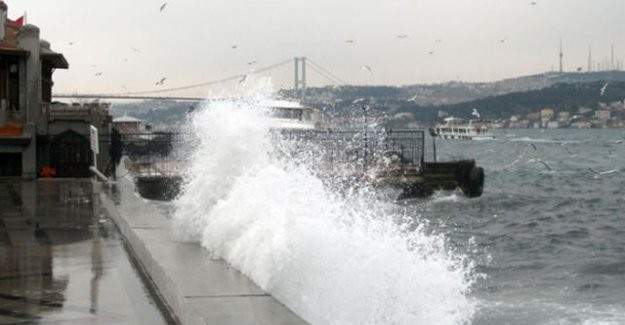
(474, 186)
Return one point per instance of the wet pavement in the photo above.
(62, 260)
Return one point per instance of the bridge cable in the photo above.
(326, 76)
(328, 72)
(204, 84)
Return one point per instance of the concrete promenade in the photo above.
(196, 288)
(62, 261)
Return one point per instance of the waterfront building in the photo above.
(553, 124)
(564, 116)
(603, 115)
(35, 138)
(546, 115)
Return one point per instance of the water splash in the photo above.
(347, 258)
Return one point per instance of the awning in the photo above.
(56, 60)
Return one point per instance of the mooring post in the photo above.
(364, 126)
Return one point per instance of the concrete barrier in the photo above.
(196, 288)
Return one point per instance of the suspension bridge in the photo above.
(300, 66)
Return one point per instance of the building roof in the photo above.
(9, 45)
(56, 60)
(126, 118)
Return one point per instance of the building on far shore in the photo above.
(39, 137)
(546, 115)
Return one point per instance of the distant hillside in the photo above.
(452, 92)
(567, 97)
(159, 114)
(410, 105)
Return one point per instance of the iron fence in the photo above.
(329, 151)
(334, 150)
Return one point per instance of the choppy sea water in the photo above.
(549, 231)
(544, 244)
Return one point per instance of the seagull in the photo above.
(598, 173)
(546, 165)
(604, 88)
(163, 6)
(161, 82)
(358, 100)
(98, 74)
(367, 68)
(402, 36)
(475, 113)
(568, 150)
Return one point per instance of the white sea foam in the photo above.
(331, 258)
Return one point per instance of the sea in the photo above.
(549, 228)
(544, 244)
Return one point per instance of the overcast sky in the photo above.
(191, 40)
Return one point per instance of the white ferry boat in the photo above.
(459, 129)
(292, 115)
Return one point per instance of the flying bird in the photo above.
(402, 36)
(161, 82)
(579, 69)
(163, 6)
(98, 74)
(367, 68)
(604, 88)
(598, 173)
(502, 41)
(349, 41)
(234, 47)
(136, 50)
(438, 41)
(431, 52)
(533, 3)
(71, 43)
(546, 165)
(243, 79)
(252, 63)
(475, 113)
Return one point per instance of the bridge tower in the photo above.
(589, 58)
(299, 87)
(561, 58)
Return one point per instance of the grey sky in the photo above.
(191, 40)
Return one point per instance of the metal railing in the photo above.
(333, 150)
(327, 151)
